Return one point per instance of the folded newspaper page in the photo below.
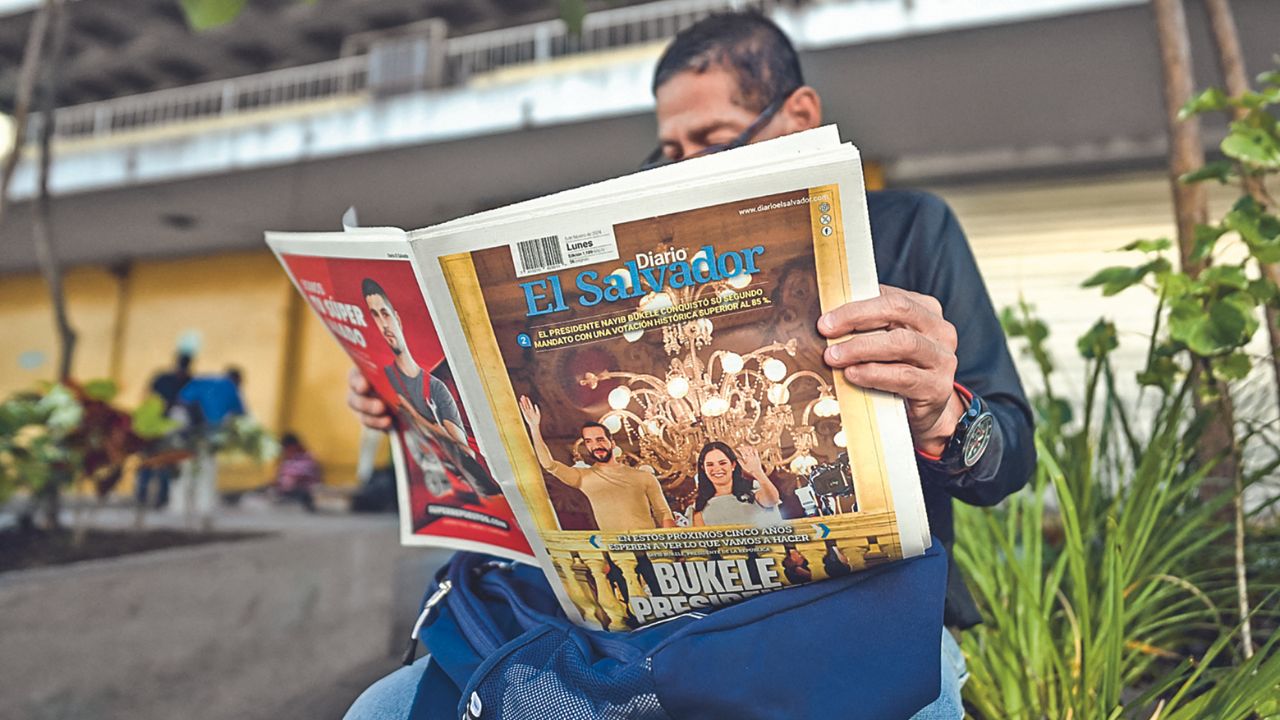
(640, 364)
(362, 286)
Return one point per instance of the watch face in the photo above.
(977, 438)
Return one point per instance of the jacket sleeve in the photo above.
(984, 364)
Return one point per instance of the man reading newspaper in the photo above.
(931, 337)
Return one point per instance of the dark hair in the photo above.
(748, 45)
(290, 440)
(184, 361)
(593, 423)
(369, 287)
(741, 483)
(234, 374)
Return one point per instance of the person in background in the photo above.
(166, 385)
(211, 402)
(213, 399)
(298, 472)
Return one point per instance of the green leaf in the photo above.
(1177, 284)
(1270, 77)
(1259, 230)
(149, 420)
(1206, 236)
(1226, 324)
(1053, 412)
(1010, 323)
(1235, 366)
(102, 390)
(1264, 290)
(1211, 99)
(1161, 372)
(1118, 278)
(1220, 170)
(1252, 146)
(1114, 279)
(206, 14)
(1099, 341)
(1157, 245)
(1225, 276)
(573, 12)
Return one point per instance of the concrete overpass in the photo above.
(938, 91)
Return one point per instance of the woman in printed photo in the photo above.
(734, 489)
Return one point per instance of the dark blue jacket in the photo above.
(919, 246)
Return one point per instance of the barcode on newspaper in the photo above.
(542, 254)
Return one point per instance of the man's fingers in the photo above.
(899, 345)
(359, 385)
(929, 302)
(908, 381)
(367, 406)
(893, 309)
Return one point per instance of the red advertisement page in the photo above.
(376, 311)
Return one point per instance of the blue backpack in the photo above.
(861, 646)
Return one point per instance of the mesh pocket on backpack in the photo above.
(550, 677)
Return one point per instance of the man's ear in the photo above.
(802, 110)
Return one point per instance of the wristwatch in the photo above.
(972, 436)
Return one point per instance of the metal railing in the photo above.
(279, 88)
(463, 57)
(603, 30)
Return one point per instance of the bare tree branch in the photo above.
(22, 102)
(41, 229)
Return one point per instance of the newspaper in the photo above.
(640, 381)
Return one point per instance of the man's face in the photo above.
(697, 109)
(598, 444)
(387, 320)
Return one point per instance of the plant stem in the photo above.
(1242, 581)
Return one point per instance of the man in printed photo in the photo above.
(622, 498)
(427, 406)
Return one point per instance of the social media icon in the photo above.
(523, 340)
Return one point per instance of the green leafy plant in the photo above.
(1103, 586)
(1115, 587)
(64, 433)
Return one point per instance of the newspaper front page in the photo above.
(658, 391)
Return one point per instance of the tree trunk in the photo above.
(1191, 208)
(41, 229)
(1236, 79)
(1231, 63)
(22, 101)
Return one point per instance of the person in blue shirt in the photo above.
(213, 398)
(932, 336)
(210, 401)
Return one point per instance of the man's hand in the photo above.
(532, 415)
(361, 399)
(914, 356)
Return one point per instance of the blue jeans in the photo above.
(164, 475)
(391, 697)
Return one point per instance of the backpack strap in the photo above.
(437, 696)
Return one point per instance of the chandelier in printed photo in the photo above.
(715, 394)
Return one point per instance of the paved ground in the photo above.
(302, 695)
